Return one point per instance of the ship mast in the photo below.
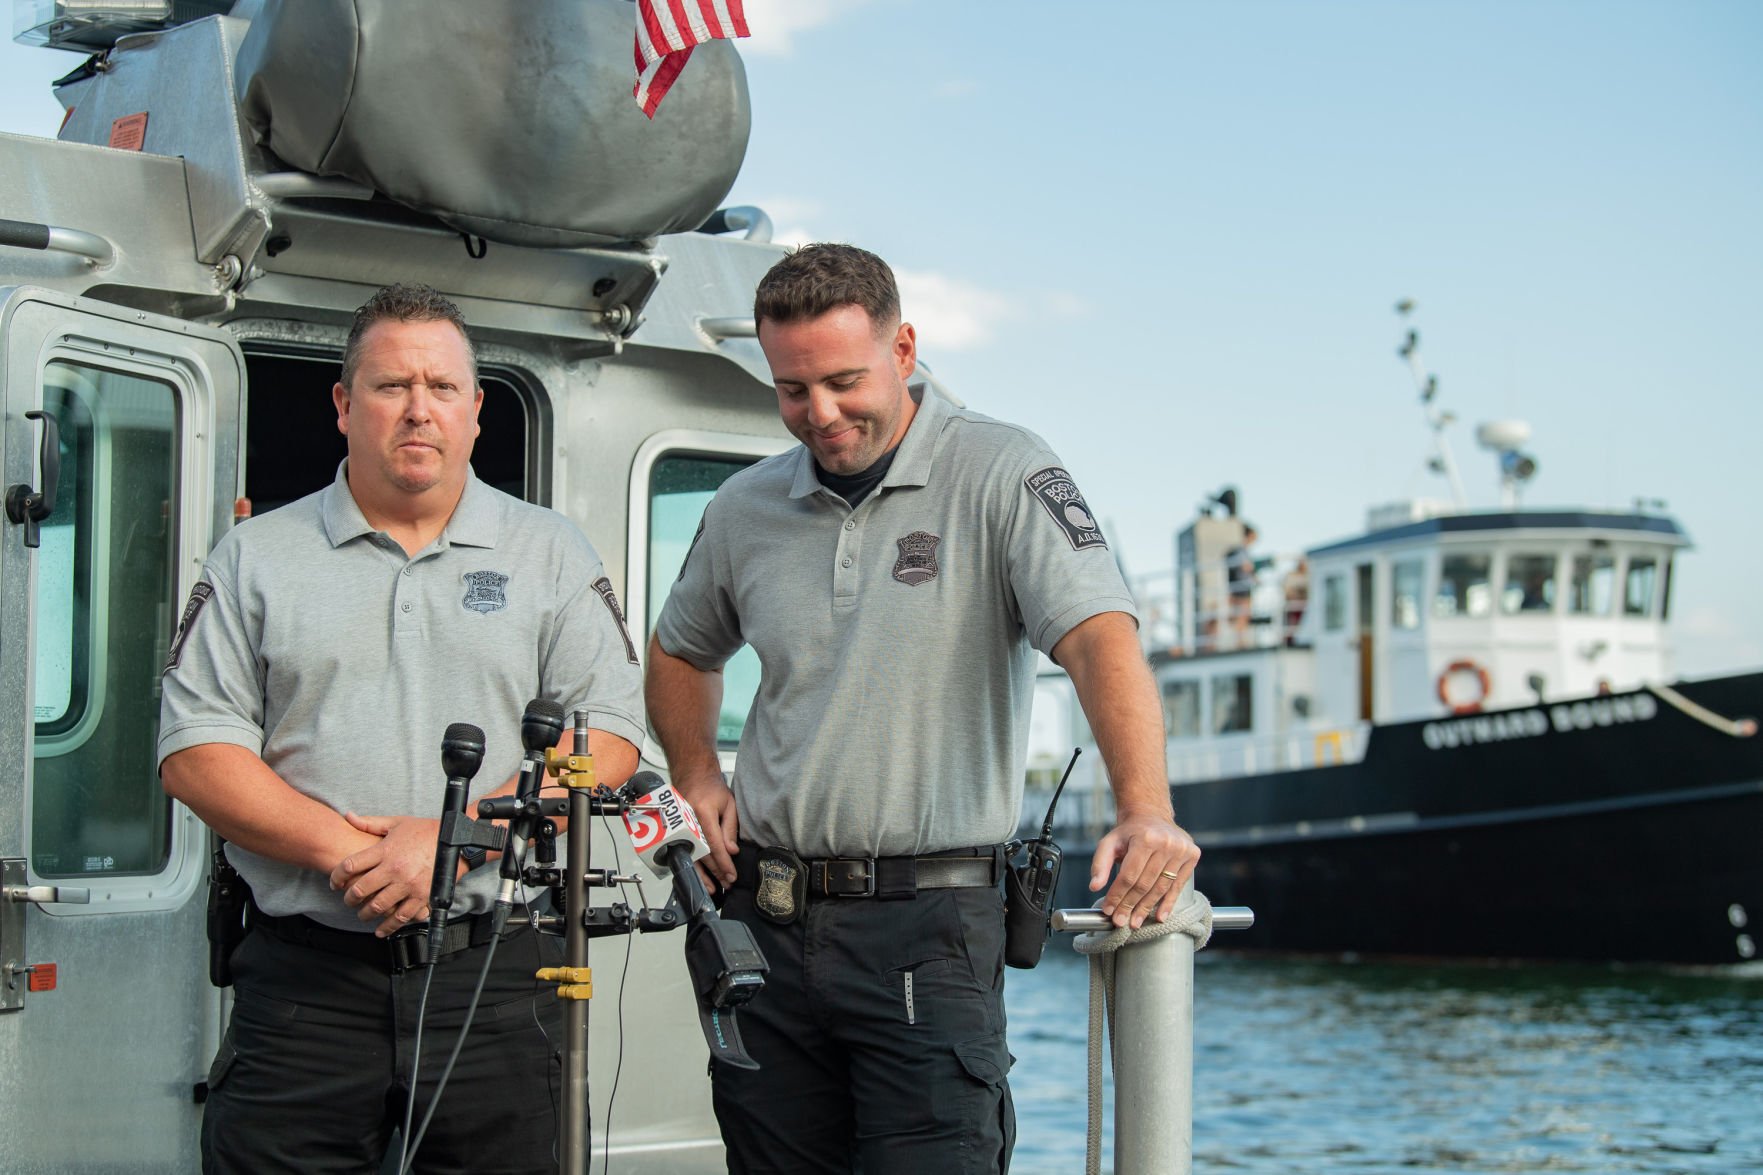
(1437, 418)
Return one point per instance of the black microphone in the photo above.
(540, 728)
(462, 753)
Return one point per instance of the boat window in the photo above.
(1637, 586)
(1530, 584)
(1594, 585)
(1232, 697)
(1334, 603)
(680, 486)
(1181, 709)
(106, 575)
(1665, 604)
(1465, 587)
(1408, 577)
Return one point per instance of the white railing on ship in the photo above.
(1227, 756)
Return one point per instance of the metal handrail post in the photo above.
(1154, 1057)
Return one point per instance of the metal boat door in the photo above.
(1366, 640)
(107, 1020)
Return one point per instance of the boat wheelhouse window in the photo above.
(1465, 586)
(1232, 700)
(1665, 604)
(680, 486)
(1334, 603)
(1593, 587)
(1181, 709)
(1637, 586)
(106, 576)
(1530, 584)
(1408, 578)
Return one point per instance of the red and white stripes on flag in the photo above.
(666, 32)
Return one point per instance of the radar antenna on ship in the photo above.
(1437, 418)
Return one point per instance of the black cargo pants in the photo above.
(880, 1035)
(313, 1073)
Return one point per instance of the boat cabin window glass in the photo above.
(1334, 603)
(1181, 709)
(106, 577)
(1638, 584)
(1232, 699)
(1530, 584)
(1665, 604)
(680, 486)
(1593, 588)
(1465, 586)
(1407, 577)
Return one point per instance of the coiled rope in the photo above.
(1192, 916)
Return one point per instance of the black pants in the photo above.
(880, 1035)
(315, 1068)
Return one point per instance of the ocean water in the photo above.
(1307, 1066)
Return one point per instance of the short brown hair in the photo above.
(817, 278)
(403, 303)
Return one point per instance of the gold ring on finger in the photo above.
(1171, 876)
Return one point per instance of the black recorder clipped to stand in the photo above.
(725, 964)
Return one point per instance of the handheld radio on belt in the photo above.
(1028, 890)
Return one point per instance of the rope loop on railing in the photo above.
(1192, 916)
(1735, 727)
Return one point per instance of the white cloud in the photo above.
(774, 23)
(949, 314)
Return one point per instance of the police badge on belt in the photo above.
(783, 886)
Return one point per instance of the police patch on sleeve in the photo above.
(199, 595)
(1058, 493)
(610, 599)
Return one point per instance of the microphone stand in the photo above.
(576, 1127)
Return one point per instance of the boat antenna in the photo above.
(1437, 418)
(1047, 825)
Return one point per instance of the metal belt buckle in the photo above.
(826, 877)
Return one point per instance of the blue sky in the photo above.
(1169, 237)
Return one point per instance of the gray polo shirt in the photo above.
(315, 642)
(896, 640)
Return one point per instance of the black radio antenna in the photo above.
(1047, 828)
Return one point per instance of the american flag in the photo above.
(666, 32)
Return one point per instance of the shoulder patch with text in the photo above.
(199, 595)
(1059, 494)
(610, 598)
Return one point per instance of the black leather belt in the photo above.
(897, 878)
(401, 952)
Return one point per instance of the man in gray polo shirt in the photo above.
(325, 651)
(896, 574)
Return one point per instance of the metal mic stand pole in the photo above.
(579, 778)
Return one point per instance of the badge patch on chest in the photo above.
(1058, 493)
(783, 886)
(918, 558)
(484, 592)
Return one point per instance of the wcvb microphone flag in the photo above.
(666, 32)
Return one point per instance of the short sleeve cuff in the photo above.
(1057, 626)
(195, 734)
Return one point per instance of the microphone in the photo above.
(726, 966)
(666, 820)
(540, 728)
(462, 753)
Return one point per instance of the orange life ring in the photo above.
(1481, 676)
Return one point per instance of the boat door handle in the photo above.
(25, 505)
(42, 894)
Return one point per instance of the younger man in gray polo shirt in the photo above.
(896, 575)
(325, 651)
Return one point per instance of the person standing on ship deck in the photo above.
(896, 573)
(328, 646)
